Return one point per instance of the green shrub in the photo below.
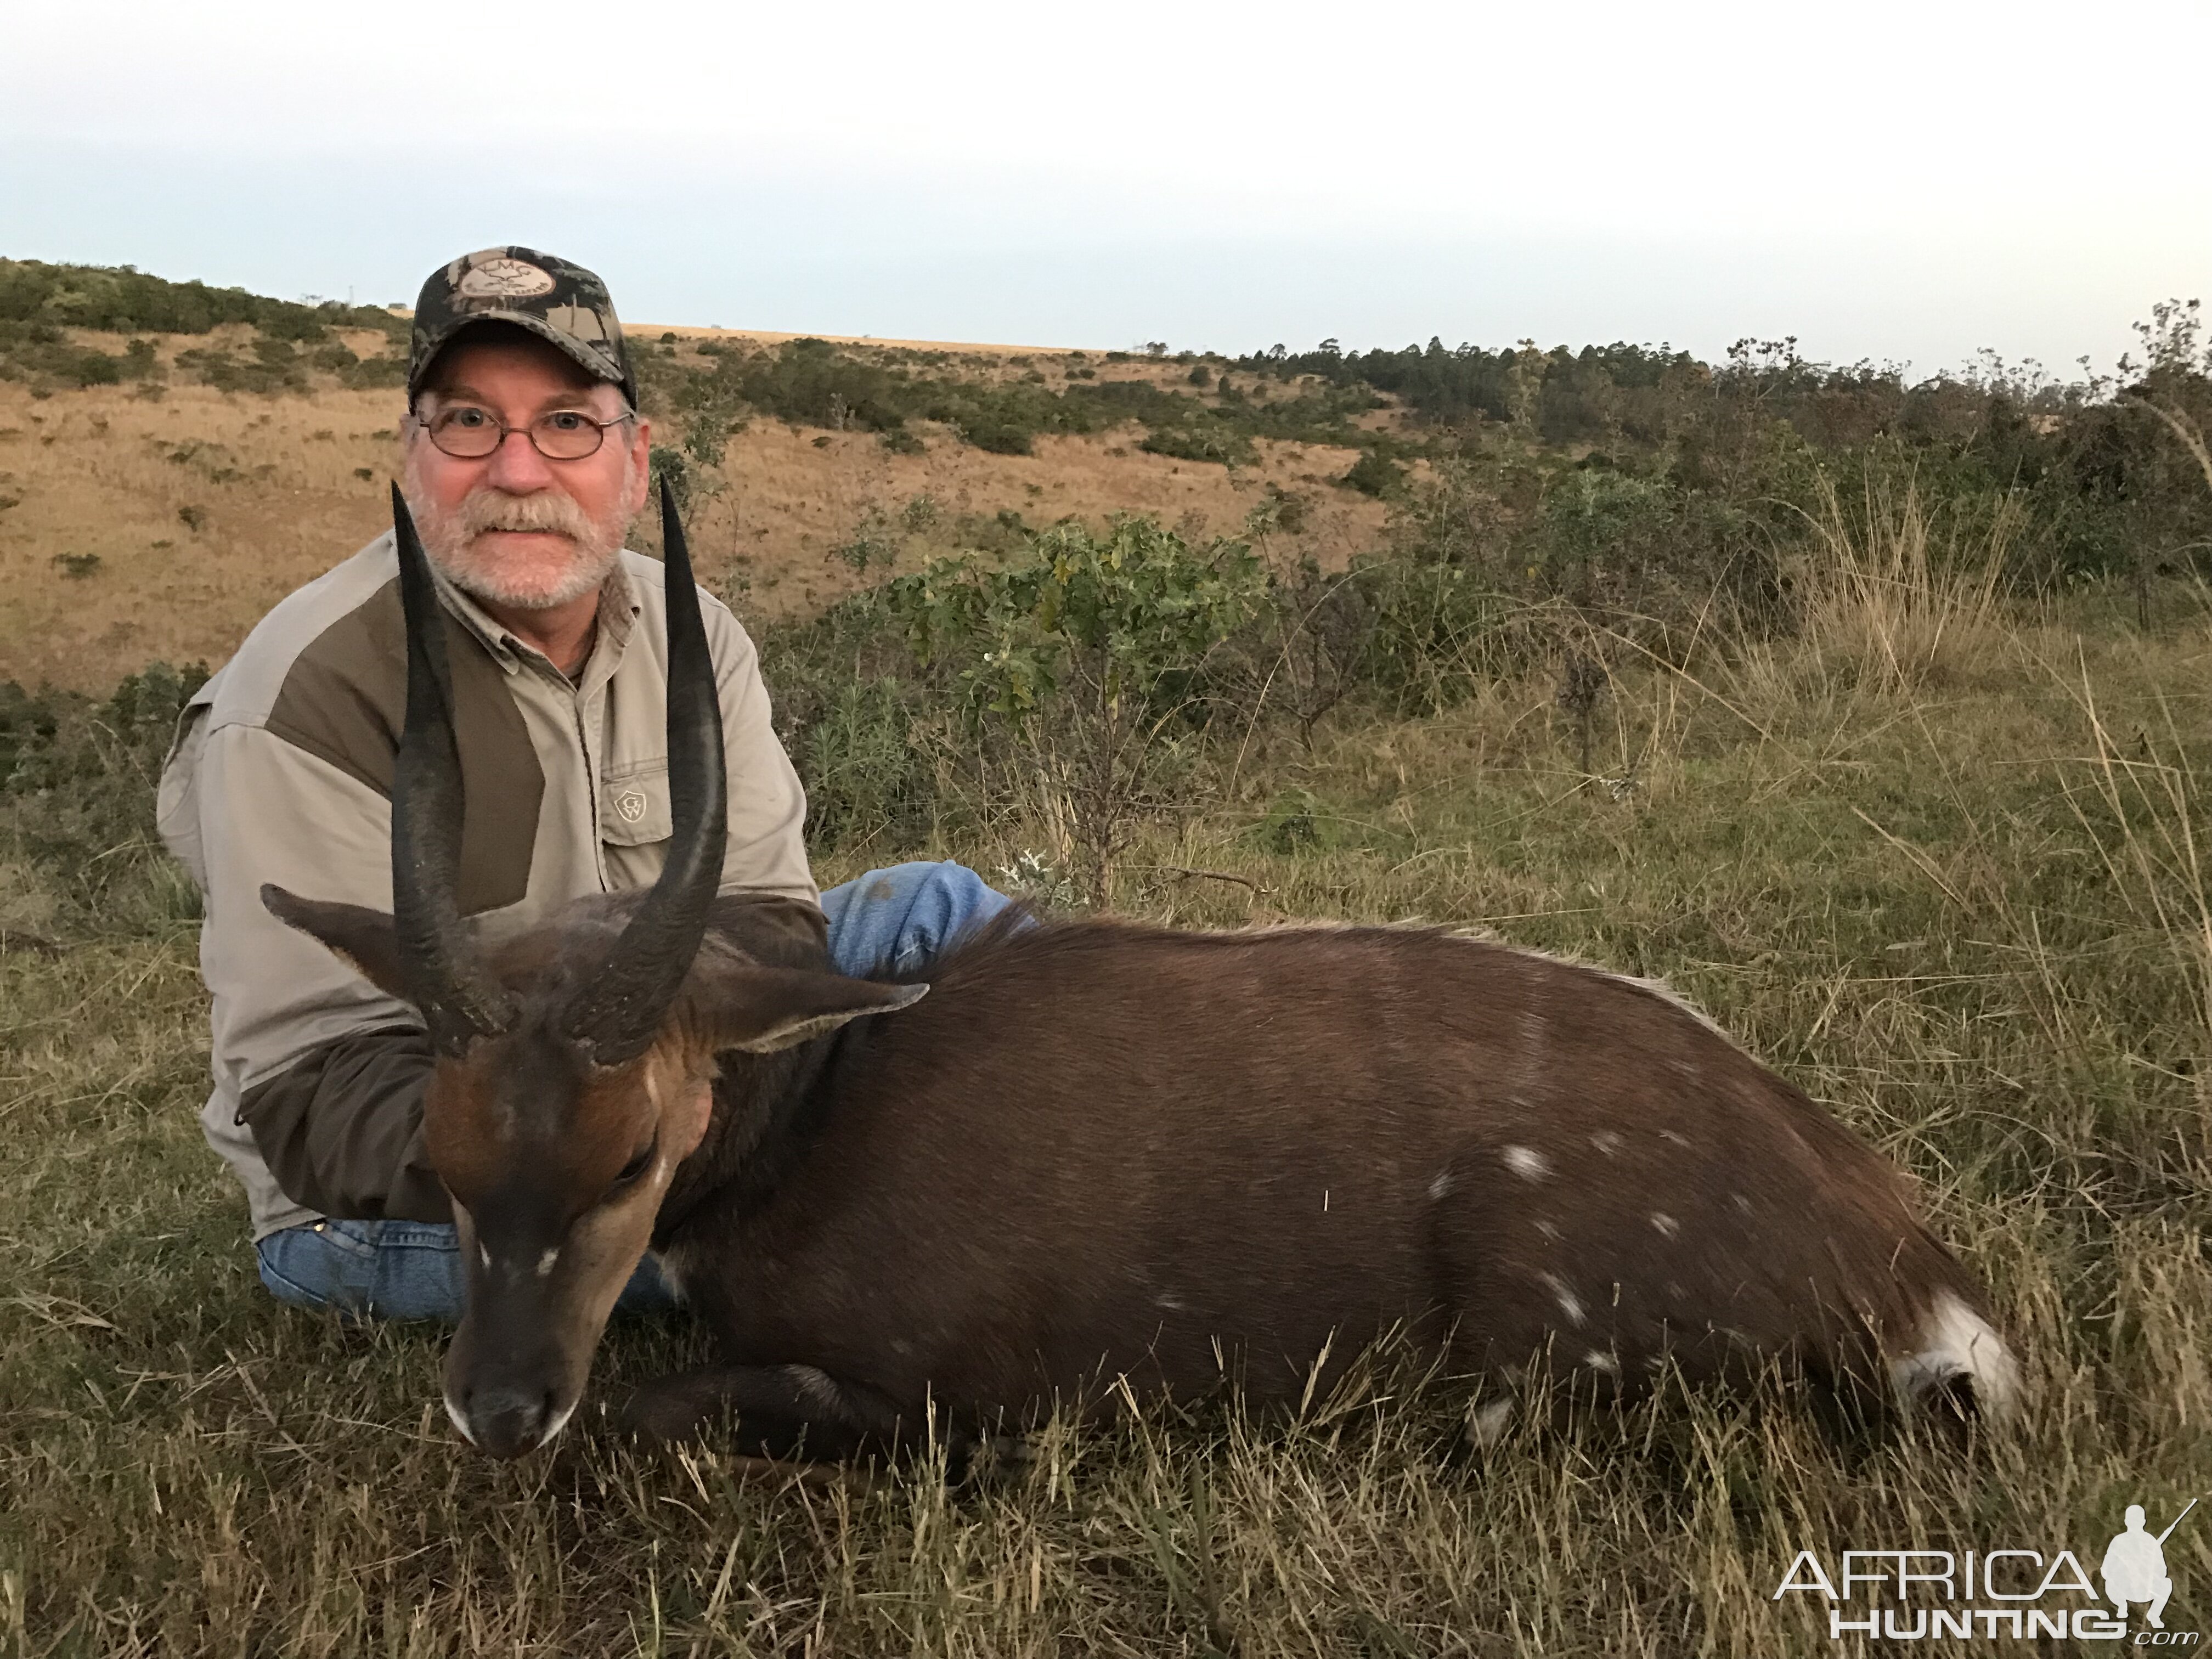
(1424, 635)
(77, 799)
(275, 367)
(1296, 821)
(812, 383)
(867, 780)
(1085, 658)
(1373, 474)
(1199, 438)
(385, 370)
(41, 354)
(874, 542)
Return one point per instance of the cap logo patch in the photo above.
(631, 805)
(504, 279)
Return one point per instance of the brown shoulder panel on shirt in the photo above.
(346, 699)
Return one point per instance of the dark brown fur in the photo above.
(1098, 1150)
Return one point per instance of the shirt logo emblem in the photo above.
(631, 805)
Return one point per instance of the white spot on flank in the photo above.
(1548, 1230)
(1487, 1423)
(1956, 1342)
(545, 1261)
(1666, 1225)
(1170, 1301)
(1598, 1361)
(1669, 1134)
(1440, 1187)
(484, 1254)
(1570, 1304)
(1606, 1141)
(1743, 1203)
(1527, 1163)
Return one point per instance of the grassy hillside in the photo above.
(160, 489)
(1872, 717)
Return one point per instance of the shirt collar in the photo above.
(619, 607)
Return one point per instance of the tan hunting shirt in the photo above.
(282, 772)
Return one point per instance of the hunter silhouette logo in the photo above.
(2135, 1566)
(2009, 1594)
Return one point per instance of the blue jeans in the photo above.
(897, 917)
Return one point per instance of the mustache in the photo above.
(547, 511)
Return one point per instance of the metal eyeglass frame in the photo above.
(528, 430)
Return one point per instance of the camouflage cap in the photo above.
(555, 300)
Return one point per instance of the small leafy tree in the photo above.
(1086, 656)
(1373, 474)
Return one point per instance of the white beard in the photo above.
(538, 580)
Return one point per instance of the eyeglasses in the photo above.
(470, 434)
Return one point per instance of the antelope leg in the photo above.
(782, 1412)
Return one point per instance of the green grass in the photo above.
(1961, 911)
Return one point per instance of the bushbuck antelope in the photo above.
(1096, 1152)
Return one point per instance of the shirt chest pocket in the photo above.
(634, 806)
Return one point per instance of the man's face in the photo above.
(514, 528)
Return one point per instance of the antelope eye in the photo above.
(638, 1165)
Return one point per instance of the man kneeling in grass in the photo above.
(526, 462)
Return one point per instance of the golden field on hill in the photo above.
(190, 513)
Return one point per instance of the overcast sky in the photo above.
(1907, 179)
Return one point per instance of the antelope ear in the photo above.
(760, 1010)
(364, 938)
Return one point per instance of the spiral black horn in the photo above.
(622, 1005)
(459, 1001)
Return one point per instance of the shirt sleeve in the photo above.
(329, 1071)
(341, 1129)
(767, 850)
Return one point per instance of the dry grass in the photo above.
(202, 508)
(1897, 601)
(1973, 924)
(691, 333)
